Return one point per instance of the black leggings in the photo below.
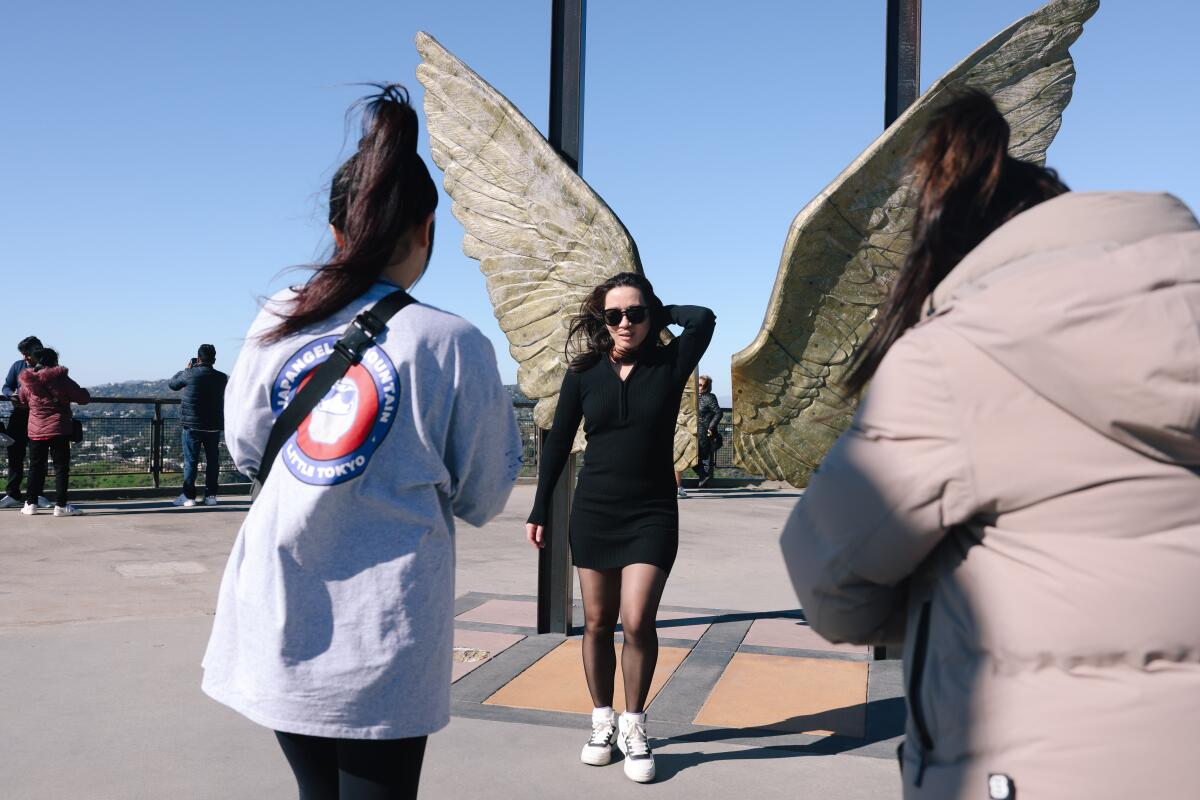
(41, 451)
(354, 769)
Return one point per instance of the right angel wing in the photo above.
(543, 238)
(845, 247)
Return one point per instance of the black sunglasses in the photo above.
(635, 314)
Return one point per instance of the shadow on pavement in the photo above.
(738, 494)
(161, 507)
(885, 719)
(713, 619)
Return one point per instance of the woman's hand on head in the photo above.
(535, 534)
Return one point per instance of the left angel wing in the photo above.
(543, 237)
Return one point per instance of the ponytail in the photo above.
(377, 199)
(967, 186)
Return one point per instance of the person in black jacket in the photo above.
(202, 415)
(710, 432)
(18, 422)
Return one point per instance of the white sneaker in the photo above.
(632, 741)
(29, 509)
(210, 501)
(8, 501)
(183, 500)
(67, 511)
(44, 503)
(680, 492)
(598, 750)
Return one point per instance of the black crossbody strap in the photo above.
(347, 352)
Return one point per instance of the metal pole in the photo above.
(567, 31)
(902, 82)
(902, 87)
(156, 444)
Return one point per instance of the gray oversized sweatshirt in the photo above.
(335, 613)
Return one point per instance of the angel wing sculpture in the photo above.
(844, 249)
(542, 236)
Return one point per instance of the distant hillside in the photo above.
(148, 389)
(159, 389)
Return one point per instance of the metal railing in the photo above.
(138, 444)
(131, 447)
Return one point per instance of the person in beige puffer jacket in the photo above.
(1018, 497)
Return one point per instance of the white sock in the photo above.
(602, 714)
(639, 718)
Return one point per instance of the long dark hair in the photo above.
(376, 200)
(967, 186)
(588, 340)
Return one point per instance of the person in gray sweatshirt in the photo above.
(334, 622)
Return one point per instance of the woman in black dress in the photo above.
(625, 517)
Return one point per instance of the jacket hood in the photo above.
(43, 378)
(1093, 301)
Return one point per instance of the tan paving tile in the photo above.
(798, 695)
(690, 632)
(794, 634)
(521, 613)
(557, 683)
(479, 647)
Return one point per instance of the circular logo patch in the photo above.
(337, 439)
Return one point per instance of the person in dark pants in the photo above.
(710, 433)
(48, 391)
(17, 427)
(370, 769)
(202, 414)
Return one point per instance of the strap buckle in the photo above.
(348, 353)
(369, 324)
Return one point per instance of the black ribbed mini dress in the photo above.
(625, 510)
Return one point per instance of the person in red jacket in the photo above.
(49, 392)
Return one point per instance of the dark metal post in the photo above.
(567, 31)
(902, 87)
(156, 445)
(555, 581)
(902, 83)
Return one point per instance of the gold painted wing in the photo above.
(542, 236)
(844, 249)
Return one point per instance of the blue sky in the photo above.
(163, 161)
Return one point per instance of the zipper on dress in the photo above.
(623, 401)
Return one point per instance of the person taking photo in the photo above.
(202, 418)
(334, 622)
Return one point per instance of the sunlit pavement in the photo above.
(103, 620)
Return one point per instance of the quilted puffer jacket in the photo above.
(1018, 499)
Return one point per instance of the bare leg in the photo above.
(601, 590)
(641, 590)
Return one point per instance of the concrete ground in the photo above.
(103, 620)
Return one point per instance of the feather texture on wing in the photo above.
(543, 238)
(845, 248)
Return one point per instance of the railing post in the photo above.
(156, 445)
